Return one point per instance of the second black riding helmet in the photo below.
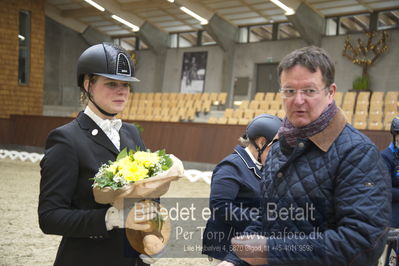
(107, 60)
(264, 125)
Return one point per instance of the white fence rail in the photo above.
(20, 155)
(191, 174)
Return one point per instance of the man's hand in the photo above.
(225, 263)
(251, 248)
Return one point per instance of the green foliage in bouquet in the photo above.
(131, 166)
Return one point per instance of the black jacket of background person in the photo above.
(234, 201)
(74, 153)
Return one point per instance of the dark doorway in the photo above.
(267, 78)
(241, 85)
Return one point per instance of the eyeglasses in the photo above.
(309, 92)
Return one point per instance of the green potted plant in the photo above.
(360, 83)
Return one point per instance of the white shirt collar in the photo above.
(259, 165)
(98, 120)
(104, 124)
(109, 127)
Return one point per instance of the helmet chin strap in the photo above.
(99, 108)
(260, 150)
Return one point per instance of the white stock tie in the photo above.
(111, 129)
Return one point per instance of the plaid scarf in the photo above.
(291, 133)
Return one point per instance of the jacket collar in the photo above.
(95, 133)
(127, 140)
(255, 161)
(247, 160)
(325, 138)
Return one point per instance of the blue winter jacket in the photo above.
(234, 199)
(392, 161)
(326, 202)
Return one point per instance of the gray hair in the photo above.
(312, 58)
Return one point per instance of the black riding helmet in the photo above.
(395, 131)
(108, 60)
(263, 125)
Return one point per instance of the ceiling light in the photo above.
(171, 1)
(191, 13)
(21, 37)
(95, 5)
(127, 23)
(288, 11)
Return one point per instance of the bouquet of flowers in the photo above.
(139, 175)
(136, 174)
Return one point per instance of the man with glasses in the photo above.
(326, 190)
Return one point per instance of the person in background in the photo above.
(235, 190)
(92, 233)
(326, 191)
(391, 157)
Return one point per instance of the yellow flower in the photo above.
(124, 162)
(147, 159)
(117, 165)
(133, 171)
(113, 167)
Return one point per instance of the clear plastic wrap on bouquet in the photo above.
(152, 187)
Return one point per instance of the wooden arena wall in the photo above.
(14, 97)
(196, 142)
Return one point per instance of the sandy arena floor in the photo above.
(23, 243)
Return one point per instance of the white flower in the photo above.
(118, 179)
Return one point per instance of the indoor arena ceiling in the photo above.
(168, 16)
